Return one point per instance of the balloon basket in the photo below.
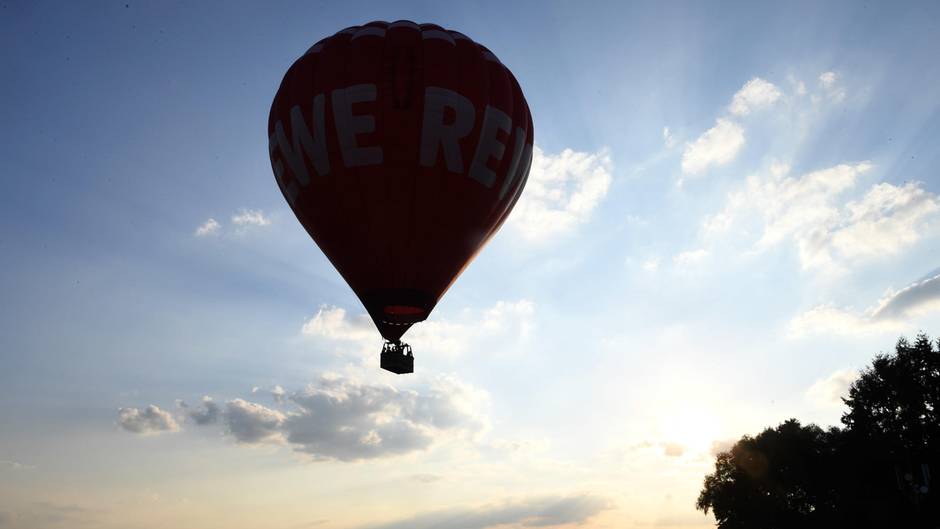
(397, 358)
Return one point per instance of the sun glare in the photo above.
(693, 427)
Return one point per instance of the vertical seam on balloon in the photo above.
(355, 171)
(409, 273)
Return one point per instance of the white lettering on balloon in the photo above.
(437, 136)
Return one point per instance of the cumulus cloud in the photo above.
(828, 392)
(147, 421)
(278, 394)
(543, 511)
(249, 422)
(892, 313)
(915, 299)
(332, 322)
(716, 146)
(250, 217)
(339, 419)
(828, 230)
(209, 227)
(503, 320)
(561, 193)
(755, 94)
(207, 413)
(887, 219)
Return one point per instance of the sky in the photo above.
(732, 208)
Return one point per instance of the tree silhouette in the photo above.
(873, 472)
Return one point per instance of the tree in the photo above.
(873, 472)
(773, 481)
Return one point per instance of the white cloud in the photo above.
(250, 217)
(651, 264)
(892, 313)
(209, 227)
(690, 257)
(828, 392)
(543, 511)
(668, 139)
(716, 146)
(755, 94)
(278, 394)
(331, 322)
(341, 419)
(827, 79)
(831, 85)
(147, 421)
(505, 320)
(915, 299)
(561, 193)
(887, 219)
(829, 231)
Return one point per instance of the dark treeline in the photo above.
(874, 471)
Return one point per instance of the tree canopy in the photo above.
(872, 472)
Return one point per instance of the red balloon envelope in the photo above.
(401, 148)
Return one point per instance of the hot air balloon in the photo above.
(401, 148)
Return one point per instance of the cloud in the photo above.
(690, 257)
(827, 229)
(250, 423)
(339, 419)
(651, 264)
(887, 219)
(829, 319)
(892, 313)
(830, 83)
(208, 413)
(915, 299)
(720, 144)
(250, 217)
(828, 392)
(504, 320)
(716, 146)
(718, 447)
(150, 420)
(543, 511)
(755, 94)
(331, 322)
(15, 465)
(561, 193)
(668, 139)
(209, 227)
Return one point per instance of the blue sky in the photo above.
(731, 210)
